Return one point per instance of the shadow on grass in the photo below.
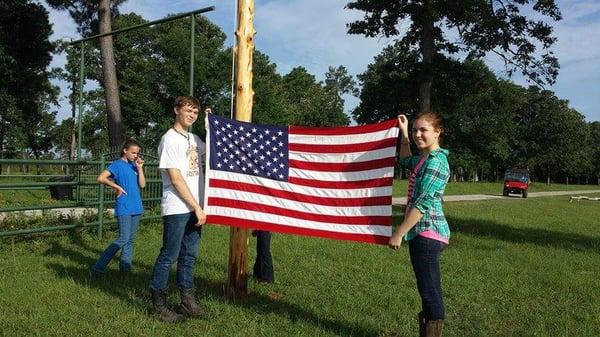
(537, 236)
(133, 288)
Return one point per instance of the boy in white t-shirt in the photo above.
(180, 153)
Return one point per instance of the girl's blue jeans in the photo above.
(425, 258)
(128, 225)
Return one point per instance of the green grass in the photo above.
(460, 188)
(18, 198)
(515, 267)
(10, 198)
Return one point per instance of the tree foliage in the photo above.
(481, 27)
(92, 18)
(25, 89)
(84, 13)
(491, 124)
(153, 68)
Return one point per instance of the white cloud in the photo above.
(574, 11)
(312, 33)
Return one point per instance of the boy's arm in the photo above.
(185, 194)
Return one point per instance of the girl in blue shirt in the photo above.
(126, 176)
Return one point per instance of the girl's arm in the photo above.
(410, 220)
(434, 179)
(404, 140)
(103, 179)
(139, 163)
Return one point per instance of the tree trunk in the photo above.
(426, 75)
(74, 126)
(24, 167)
(73, 147)
(237, 279)
(109, 77)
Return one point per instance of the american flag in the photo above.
(325, 182)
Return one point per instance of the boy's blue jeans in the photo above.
(181, 239)
(128, 225)
(425, 258)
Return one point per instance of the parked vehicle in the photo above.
(516, 181)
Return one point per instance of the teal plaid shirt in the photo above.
(428, 191)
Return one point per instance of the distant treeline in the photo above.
(490, 123)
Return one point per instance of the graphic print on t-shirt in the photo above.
(192, 160)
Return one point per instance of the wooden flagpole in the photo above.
(237, 277)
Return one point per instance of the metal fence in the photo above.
(76, 188)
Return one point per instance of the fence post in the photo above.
(101, 202)
(192, 43)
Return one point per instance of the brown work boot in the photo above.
(161, 310)
(188, 306)
(434, 328)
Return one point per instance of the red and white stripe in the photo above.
(339, 187)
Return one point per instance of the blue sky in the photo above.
(312, 34)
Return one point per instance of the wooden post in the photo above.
(237, 278)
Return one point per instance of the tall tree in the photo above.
(595, 145)
(311, 103)
(109, 72)
(271, 103)
(152, 73)
(95, 17)
(25, 89)
(553, 137)
(496, 26)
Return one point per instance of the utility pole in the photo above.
(237, 277)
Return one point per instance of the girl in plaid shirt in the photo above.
(424, 225)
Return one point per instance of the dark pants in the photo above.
(181, 239)
(425, 258)
(263, 267)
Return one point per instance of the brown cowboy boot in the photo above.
(434, 328)
(161, 310)
(188, 306)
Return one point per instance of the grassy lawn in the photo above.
(495, 188)
(515, 267)
(26, 197)
(16, 198)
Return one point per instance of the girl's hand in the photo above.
(395, 241)
(403, 121)
(139, 162)
(119, 191)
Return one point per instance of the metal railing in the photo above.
(81, 191)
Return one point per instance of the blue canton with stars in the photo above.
(246, 148)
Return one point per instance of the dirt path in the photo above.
(476, 197)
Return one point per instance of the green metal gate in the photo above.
(81, 189)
